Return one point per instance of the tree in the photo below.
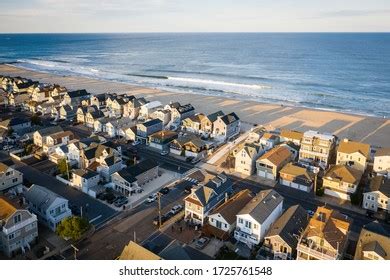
(73, 228)
(35, 119)
(63, 167)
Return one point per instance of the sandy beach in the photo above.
(372, 130)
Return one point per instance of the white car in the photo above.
(151, 198)
(176, 209)
(164, 153)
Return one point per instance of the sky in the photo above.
(71, 16)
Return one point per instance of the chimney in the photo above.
(226, 197)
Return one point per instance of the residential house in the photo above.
(179, 113)
(67, 112)
(18, 228)
(117, 127)
(132, 108)
(292, 147)
(196, 123)
(256, 218)
(382, 161)
(75, 98)
(291, 135)
(98, 100)
(163, 115)
(204, 198)
(55, 140)
(50, 208)
(161, 139)
(297, 177)
(269, 140)
(282, 239)
(325, 237)
(245, 159)
(85, 179)
(101, 158)
(15, 124)
(317, 148)
(226, 127)
(188, 145)
(129, 180)
(270, 163)
(91, 116)
(373, 243)
(9, 177)
(144, 130)
(341, 181)
(41, 135)
(354, 154)
(146, 110)
(222, 220)
(18, 99)
(377, 195)
(208, 122)
(130, 133)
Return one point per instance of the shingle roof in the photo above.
(276, 155)
(41, 196)
(374, 246)
(290, 225)
(213, 117)
(291, 134)
(230, 118)
(262, 205)
(229, 209)
(348, 147)
(14, 121)
(6, 209)
(133, 251)
(380, 183)
(78, 93)
(50, 130)
(87, 174)
(152, 122)
(344, 173)
(130, 173)
(208, 193)
(297, 171)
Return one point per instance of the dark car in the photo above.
(164, 190)
(189, 159)
(164, 218)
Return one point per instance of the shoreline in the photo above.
(368, 129)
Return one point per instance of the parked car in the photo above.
(164, 218)
(164, 153)
(188, 189)
(176, 209)
(135, 143)
(164, 190)
(151, 198)
(121, 201)
(202, 242)
(195, 160)
(310, 213)
(189, 159)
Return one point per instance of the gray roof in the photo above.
(381, 184)
(86, 174)
(262, 205)
(374, 246)
(41, 197)
(290, 225)
(176, 251)
(230, 118)
(50, 130)
(209, 193)
(131, 172)
(213, 117)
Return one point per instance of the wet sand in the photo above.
(372, 130)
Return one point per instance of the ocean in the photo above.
(346, 72)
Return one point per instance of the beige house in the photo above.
(317, 148)
(57, 139)
(377, 196)
(325, 237)
(18, 228)
(373, 243)
(9, 177)
(245, 159)
(85, 179)
(297, 177)
(269, 164)
(41, 135)
(163, 115)
(354, 154)
(226, 127)
(382, 161)
(291, 135)
(133, 252)
(341, 181)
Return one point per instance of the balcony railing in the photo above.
(19, 225)
(317, 252)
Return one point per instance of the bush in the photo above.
(72, 228)
(320, 191)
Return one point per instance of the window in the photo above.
(248, 224)
(254, 226)
(17, 219)
(240, 221)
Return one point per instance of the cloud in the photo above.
(353, 13)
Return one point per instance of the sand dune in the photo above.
(372, 130)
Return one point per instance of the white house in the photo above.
(269, 140)
(382, 161)
(50, 208)
(148, 109)
(256, 218)
(377, 196)
(85, 179)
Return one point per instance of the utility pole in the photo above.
(315, 184)
(75, 250)
(159, 209)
